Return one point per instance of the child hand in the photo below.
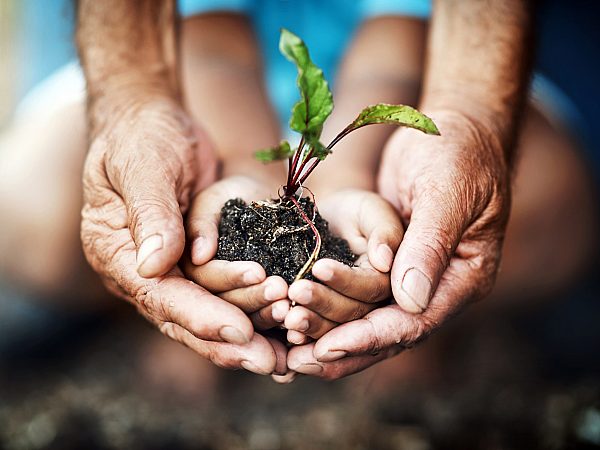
(374, 231)
(242, 283)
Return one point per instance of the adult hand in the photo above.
(144, 164)
(453, 192)
(373, 231)
(241, 283)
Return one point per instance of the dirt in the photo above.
(274, 235)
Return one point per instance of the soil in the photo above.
(274, 235)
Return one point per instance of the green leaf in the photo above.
(319, 150)
(394, 114)
(282, 151)
(316, 103)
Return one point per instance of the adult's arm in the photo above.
(453, 191)
(146, 160)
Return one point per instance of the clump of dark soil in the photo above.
(274, 235)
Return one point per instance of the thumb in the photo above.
(154, 215)
(424, 254)
(380, 224)
(203, 225)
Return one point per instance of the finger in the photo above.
(257, 356)
(180, 301)
(327, 302)
(281, 356)
(301, 360)
(308, 322)
(380, 224)
(362, 282)
(203, 224)
(297, 338)
(171, 298)
(377, 332)
(219, 276)
(289, 377)
(391, 326)
(252, 298)
(204, 232)
(271, 315)
(148, 189)
(424, 254)
(205, 214)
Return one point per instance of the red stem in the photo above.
(307, 220)
(309, 170)
(292, 165)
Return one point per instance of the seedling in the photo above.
(308, 116)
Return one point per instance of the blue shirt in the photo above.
(325, 25)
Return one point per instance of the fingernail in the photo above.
(272, 291)
(418, 288)
(302, 296)
(303, 326)
(386, 255)
(233, 335)
(310, 369)
(286, 378)
(197, 246)
(250, 366)
(295, 337)
(279, 311)
(149, 246)
(332, 355)
(250, 277)
(324, 272)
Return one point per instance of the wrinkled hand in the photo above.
(453, 192)
(374, 231)
(241, 283)
(143, 166)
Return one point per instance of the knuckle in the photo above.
(150, 301)
(356, 313)
(378, 292)
(171, 330)
(158, 212)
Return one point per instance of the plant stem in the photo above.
(292, 164)
(315, 253)
(301, 168)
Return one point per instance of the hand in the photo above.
(241, 283)
(144, 164)
(453, 192)
(373, 231)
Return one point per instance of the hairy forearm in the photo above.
(128, 53)
(478, 62)
(384, 64)
(224, 87)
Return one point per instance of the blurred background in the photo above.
(520, 371)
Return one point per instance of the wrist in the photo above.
(476, 125)
(271, 175)
(124, 106)
(496, 121)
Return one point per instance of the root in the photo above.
(315, 253)
(280, 231)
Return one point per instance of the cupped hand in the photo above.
(241, 283)
(453, 192)
(373, 231)
(144, 164)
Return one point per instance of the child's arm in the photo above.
(224, 85)
(384, 64)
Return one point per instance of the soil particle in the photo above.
(274, 235)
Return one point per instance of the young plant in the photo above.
(308, 116)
